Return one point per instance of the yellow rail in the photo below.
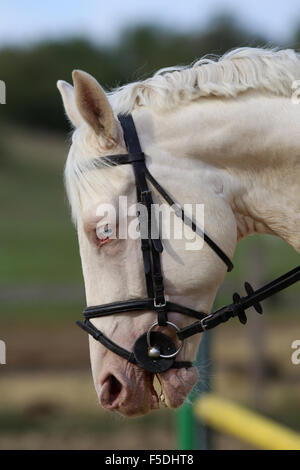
(245, 425)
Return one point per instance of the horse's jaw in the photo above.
(140, 392)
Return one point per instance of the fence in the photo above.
(245, 425)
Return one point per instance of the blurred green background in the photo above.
(47, 398)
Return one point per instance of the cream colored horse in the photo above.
(222, 133)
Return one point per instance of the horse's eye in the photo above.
(104, 234)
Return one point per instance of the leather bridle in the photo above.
(154, 351)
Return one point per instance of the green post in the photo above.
(190, 433)
(185, 427)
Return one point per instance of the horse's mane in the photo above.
(236, 71)
(266, 70)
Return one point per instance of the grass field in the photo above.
(38, 242)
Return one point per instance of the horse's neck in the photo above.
(252, 144)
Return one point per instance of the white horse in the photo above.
(223, 133)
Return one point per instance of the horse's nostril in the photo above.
(115, 388)
(110, 392)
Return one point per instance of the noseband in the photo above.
(155, 351)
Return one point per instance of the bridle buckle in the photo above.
(205, 319)
(161, 304)
(145, 196)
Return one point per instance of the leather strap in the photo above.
(144, 196)
(179, 212)
(135, 305)
(116, 349)
(240, 304)
(108, 343)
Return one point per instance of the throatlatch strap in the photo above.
(186, 220)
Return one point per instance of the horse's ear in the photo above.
(93, 105)
(68, 97)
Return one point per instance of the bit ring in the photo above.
(162, 355)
